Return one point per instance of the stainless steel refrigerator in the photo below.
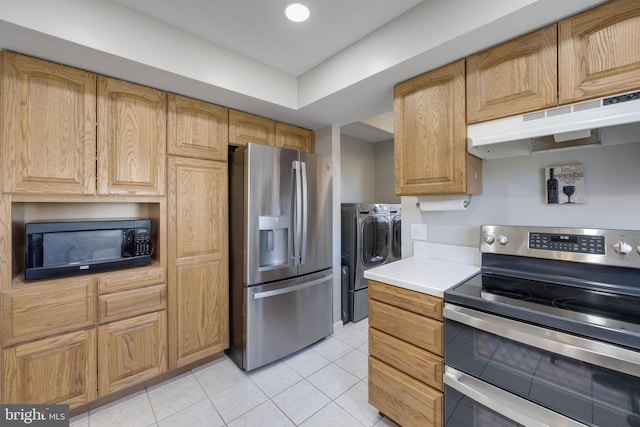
(281, 252)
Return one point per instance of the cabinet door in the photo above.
(131, 138)
(197, 129)
(431, 133)
(295, 138)
(245, 128)
(198, 277)
(514, 77)
(131, 351)
(598, 51)
(48, 127)
(54, 370)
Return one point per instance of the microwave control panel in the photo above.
(142, 243)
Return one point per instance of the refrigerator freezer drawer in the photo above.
(285, 317)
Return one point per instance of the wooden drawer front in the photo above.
(131, 279)
(121, 305)
(402, 398)
(54, 370)
(418, 363)
(47, 310)
(131, 351)
(410, 327)
(416, 302)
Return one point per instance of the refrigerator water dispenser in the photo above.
(274, 241)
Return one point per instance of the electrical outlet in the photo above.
(418, 231)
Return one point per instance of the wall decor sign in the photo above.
(565, 184)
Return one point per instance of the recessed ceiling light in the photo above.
(297, 12)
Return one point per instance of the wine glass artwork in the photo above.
(568, 190)
(564, 185)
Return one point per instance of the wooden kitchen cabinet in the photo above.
(56, 370)
(515, 77)
(431, 136)
(295, 138)
(406, 355)
(598, 52)
(47, 127)
(131, 138)
(131, 351)
(198, 279)
(244, 128)
(197, 129)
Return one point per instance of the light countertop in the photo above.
(432, 271)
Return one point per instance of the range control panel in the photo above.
(567, 243)
(594, 246)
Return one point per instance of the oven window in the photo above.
(461, 411)
(578, 390)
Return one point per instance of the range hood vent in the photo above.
(603, 121)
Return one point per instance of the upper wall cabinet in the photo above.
(245, 128)
(131, 138)
(513, 78)
(431, 135)
(599, 51)
(48, 127)
(295, 138)
(197, 129)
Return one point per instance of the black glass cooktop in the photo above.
(592, 311)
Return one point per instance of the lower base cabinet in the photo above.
(406, 348)
(131, 351)
(59, 369)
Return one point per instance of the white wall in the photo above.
(384, 173)
(357, 170)
(513, 194)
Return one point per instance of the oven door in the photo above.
(549, 377)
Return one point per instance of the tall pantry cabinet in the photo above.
(198, 231)
(78, 144)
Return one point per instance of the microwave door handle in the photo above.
(298, 212)
(305, 213)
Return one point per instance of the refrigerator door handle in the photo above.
(305, 212)
(289, 289)
(297, 240)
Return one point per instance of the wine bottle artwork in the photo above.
(552, 188)
(565, 184)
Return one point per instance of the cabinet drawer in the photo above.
(411, 360)
(416, 302)
(44, 310)
(124, 304)
(410, 327)
(131, 279)
(402, 398)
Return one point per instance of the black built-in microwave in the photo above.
(70, 248)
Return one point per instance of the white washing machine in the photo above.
(395, 232)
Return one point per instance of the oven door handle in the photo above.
(513, 407)
(589, 351)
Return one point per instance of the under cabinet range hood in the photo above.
(602, 121)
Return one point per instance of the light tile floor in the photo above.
(322, 385)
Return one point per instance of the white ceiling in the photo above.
(337, 69)
(259, 29)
